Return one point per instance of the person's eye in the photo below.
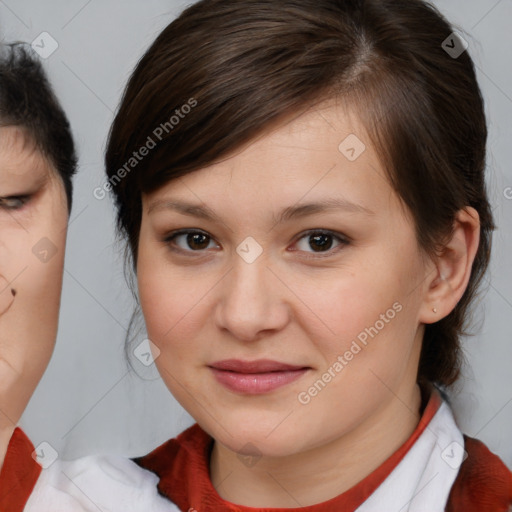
(13, 202)
(322, 241)
(192, 240)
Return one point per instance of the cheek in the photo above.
(368, 318)
(41, 283)
(169, 314)
(159, 296)
(344, 308)
(45, 250)
(6, 295)
(172, 298)
(170, 307)
(32, 262)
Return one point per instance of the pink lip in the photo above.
(255, 377)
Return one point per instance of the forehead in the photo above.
(324, 149)
(19, 153)
(17, 138)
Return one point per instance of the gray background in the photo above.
(88, 401)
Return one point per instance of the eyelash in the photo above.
(22, 199)
(342, 239)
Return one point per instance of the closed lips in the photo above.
(259, 366)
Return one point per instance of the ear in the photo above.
(452, 268)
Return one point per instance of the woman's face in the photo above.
(33, 222)
(336, 311)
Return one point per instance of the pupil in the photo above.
(318, 238)
(192, 239)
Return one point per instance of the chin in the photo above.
(254, 434)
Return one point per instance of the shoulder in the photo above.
(102, 482)
(484, 483)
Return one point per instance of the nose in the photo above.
(253, 301)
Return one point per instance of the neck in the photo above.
(322, 473)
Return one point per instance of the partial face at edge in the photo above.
(32, 243)
(304, 300)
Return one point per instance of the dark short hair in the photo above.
(27, 100)
(249, 63)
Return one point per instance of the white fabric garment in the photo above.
(424, 477)
(421, 482)
(97, 484)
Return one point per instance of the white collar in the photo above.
(422, 481)
(106, 483)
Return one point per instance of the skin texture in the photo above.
(32, 243)
(208, 304)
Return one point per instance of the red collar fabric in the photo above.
(183, 467)
(19, 473)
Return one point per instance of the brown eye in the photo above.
(195, 241)
(322, 241)
(13, 202)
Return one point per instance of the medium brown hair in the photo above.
(250, 63)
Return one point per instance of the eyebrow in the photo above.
(295, 211)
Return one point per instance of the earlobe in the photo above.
(452, 267)
(7, 295)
